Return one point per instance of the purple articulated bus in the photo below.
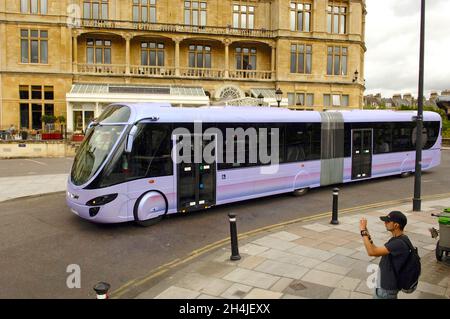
(139, 162)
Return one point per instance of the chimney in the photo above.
(397, 96)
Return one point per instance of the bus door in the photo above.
(196, 178)
(361, 153)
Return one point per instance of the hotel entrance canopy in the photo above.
(86, 101)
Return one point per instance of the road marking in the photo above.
(195, 253)
(40, 163)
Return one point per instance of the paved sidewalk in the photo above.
(16, 187)
(308, 260)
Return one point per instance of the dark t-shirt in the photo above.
(398, 254)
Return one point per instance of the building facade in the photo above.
(73, 57)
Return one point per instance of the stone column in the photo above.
(272, 62)
(177, 57)
(75, 54)
(227, 60)
(127, 54)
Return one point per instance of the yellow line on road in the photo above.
(195, 253)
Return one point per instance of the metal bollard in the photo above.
(101, 289)
(234, 239)
(334, 218)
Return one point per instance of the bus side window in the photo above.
(151, 155)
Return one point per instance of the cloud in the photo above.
(392, 40)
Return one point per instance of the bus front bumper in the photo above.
(107, 214)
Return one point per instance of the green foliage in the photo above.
(48, 119)
(61, 119)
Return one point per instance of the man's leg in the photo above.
(381, 293)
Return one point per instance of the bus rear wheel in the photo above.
(300, 192)
(405, 174)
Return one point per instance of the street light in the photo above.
(417, 202)
(278, 96)
(260, 99)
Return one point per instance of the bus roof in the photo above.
(249, 114)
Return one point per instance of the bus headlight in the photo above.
(102, 200)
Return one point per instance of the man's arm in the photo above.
(371, 249)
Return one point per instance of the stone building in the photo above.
(73, 57)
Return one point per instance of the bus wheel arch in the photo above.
(300, 188)
(150, 203)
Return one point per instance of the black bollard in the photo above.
(101, 289)
(334, 218)
(234, 239)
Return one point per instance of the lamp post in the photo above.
(260, 99)
(417, 202)
(279, 96)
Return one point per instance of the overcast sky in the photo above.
(392, 40)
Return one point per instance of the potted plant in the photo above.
(49, 121)
(62, 121)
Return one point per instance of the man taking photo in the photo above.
(394, 254)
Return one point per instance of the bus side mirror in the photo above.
(130, 139)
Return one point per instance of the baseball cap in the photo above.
(396, 217)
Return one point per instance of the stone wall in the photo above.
(31, 149)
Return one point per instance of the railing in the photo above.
(164, 71)
(251, 74)
(152, 71)
(181, 28)
(202, 73)
(116, 69)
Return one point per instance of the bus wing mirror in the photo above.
(130, 139)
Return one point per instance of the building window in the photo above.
(245, 58)
(309, 99)
(345, 100)
(301, 58)
(195, 13)
(34, 46)
(301, 99)
(336, 100)
(337, 61)
(326, 100)
(33, 6)
(35, 101)
(199, 56)
(300, 17)
(152, 53)
(243, 16)
(144, 11)
(98, 51)
(95, 9)
(337, 19)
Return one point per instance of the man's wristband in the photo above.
(364, 232)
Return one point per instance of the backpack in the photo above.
(409, 273)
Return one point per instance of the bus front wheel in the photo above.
(150, 208)
(300, 192)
